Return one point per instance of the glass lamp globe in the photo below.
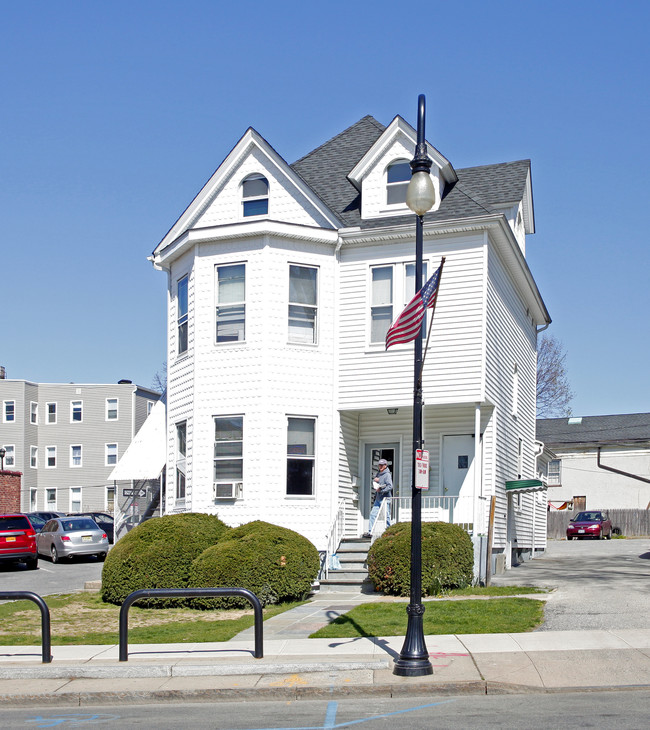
(420, 194)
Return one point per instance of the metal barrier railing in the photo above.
(189, 593)
(46, 643)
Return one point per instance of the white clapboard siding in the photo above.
(348, 467)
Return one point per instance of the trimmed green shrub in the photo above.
(158, 554)
(447, 559)
(275, 563)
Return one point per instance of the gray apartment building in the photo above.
(66, 438)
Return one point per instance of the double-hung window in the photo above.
(50, 457)
(231, 303)
(76, 411)
(181, 451)
(50, 499)
(33, 413)
(398, 176)
(303, 303)
(301, 456)
(51, 412)
(111, 409)
(33, 457)
(75, 456)
(381, 298)
(10, 455)
(75, 499)
(111, 454)
(9, 411)
(255, 196)
(554, 472)
(182, 315)
(228, 456)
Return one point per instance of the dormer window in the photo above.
(398, 175)
(255, 195)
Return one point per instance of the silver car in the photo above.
(65, 537)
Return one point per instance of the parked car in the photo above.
(47, 515)
(18, 540)
(594, 523)
(66, 537)
(104, 520)
(38, 522)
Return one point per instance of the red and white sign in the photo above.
(421, 469)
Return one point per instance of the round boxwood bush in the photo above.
(275, 563)
(158, 554)
(447, 559)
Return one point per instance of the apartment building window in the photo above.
(33, 457)
(9, 411)
(231, 303)
(50, 499)
(75, 456)
(33, 500)
(10, 455)
(75, 499)
(228, 456)
(182, 315)
(555, 471)
(110, 499)
(76, 411)
(51, 412)
(303, 293)
(50, 457)
(300, 456)
(181, 455)
(149, 406)
(398, 176)
(111, 454)
(381, 309)
(255, 196)
(33, 413)
(111, 409)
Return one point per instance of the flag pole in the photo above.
(433, 311)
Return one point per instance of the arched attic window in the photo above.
(398, 175)
(255, 195)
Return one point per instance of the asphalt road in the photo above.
(63, 577)
(621, 710)
(600, 584)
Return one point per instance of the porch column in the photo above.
(477, 490)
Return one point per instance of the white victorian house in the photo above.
(283, 280)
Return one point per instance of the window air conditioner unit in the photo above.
(227, 490)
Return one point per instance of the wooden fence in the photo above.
(630, 522)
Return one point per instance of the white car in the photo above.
(66, 537)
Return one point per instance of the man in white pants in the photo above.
(383, 486)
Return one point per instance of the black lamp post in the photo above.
(3, 451)
(414, 658)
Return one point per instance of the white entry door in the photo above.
(458, 474)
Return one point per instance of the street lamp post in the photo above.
(414, 658)
(3, 451)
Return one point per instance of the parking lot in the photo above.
(600, 584)
(62, 577)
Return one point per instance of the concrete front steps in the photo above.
(353, 574)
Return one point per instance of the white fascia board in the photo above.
(232, 231)
(527, 202)
(205, 196)
(396, 127)
(500, 233)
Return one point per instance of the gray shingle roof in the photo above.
(631, 427)
(478, 190)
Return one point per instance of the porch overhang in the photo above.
(523, 486)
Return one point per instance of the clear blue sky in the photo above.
(115, 114)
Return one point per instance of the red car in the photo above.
(18, 540)
(595, 523)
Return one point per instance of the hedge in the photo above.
(275, 563)
(158, 554)
(447, 559)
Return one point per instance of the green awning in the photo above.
(525, 485)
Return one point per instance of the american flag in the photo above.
(407, 326)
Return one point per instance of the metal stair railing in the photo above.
(335, 535)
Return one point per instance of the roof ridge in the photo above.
(495, 164)
(367, 118)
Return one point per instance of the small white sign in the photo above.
(421, 469)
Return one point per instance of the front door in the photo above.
(458, 475)
(374, 452)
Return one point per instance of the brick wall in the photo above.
(10, 491)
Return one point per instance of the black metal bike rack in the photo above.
(189, 593)
(45, 617)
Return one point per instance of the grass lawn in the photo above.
(496, 616)
(83, 618)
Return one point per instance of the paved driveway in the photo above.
(63, 577)
(601, 584)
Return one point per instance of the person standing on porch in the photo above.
(383, 486)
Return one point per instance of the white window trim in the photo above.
(106, 462)
(54, 504)
(107, 508)
(315, 307)
(150, 405)
(394, 207)
(33, 413)
(238, 493)
(180, 461)
(33, 451)
(182, 353)
(70, 507)
(81, 456)
(72, 402)
(4, 411)
(267, 197)
(47, 413)
(47, 448)
(6, 447)
(117, 409)
(232, 343)
(311, 496)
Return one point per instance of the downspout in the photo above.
(618, 471)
